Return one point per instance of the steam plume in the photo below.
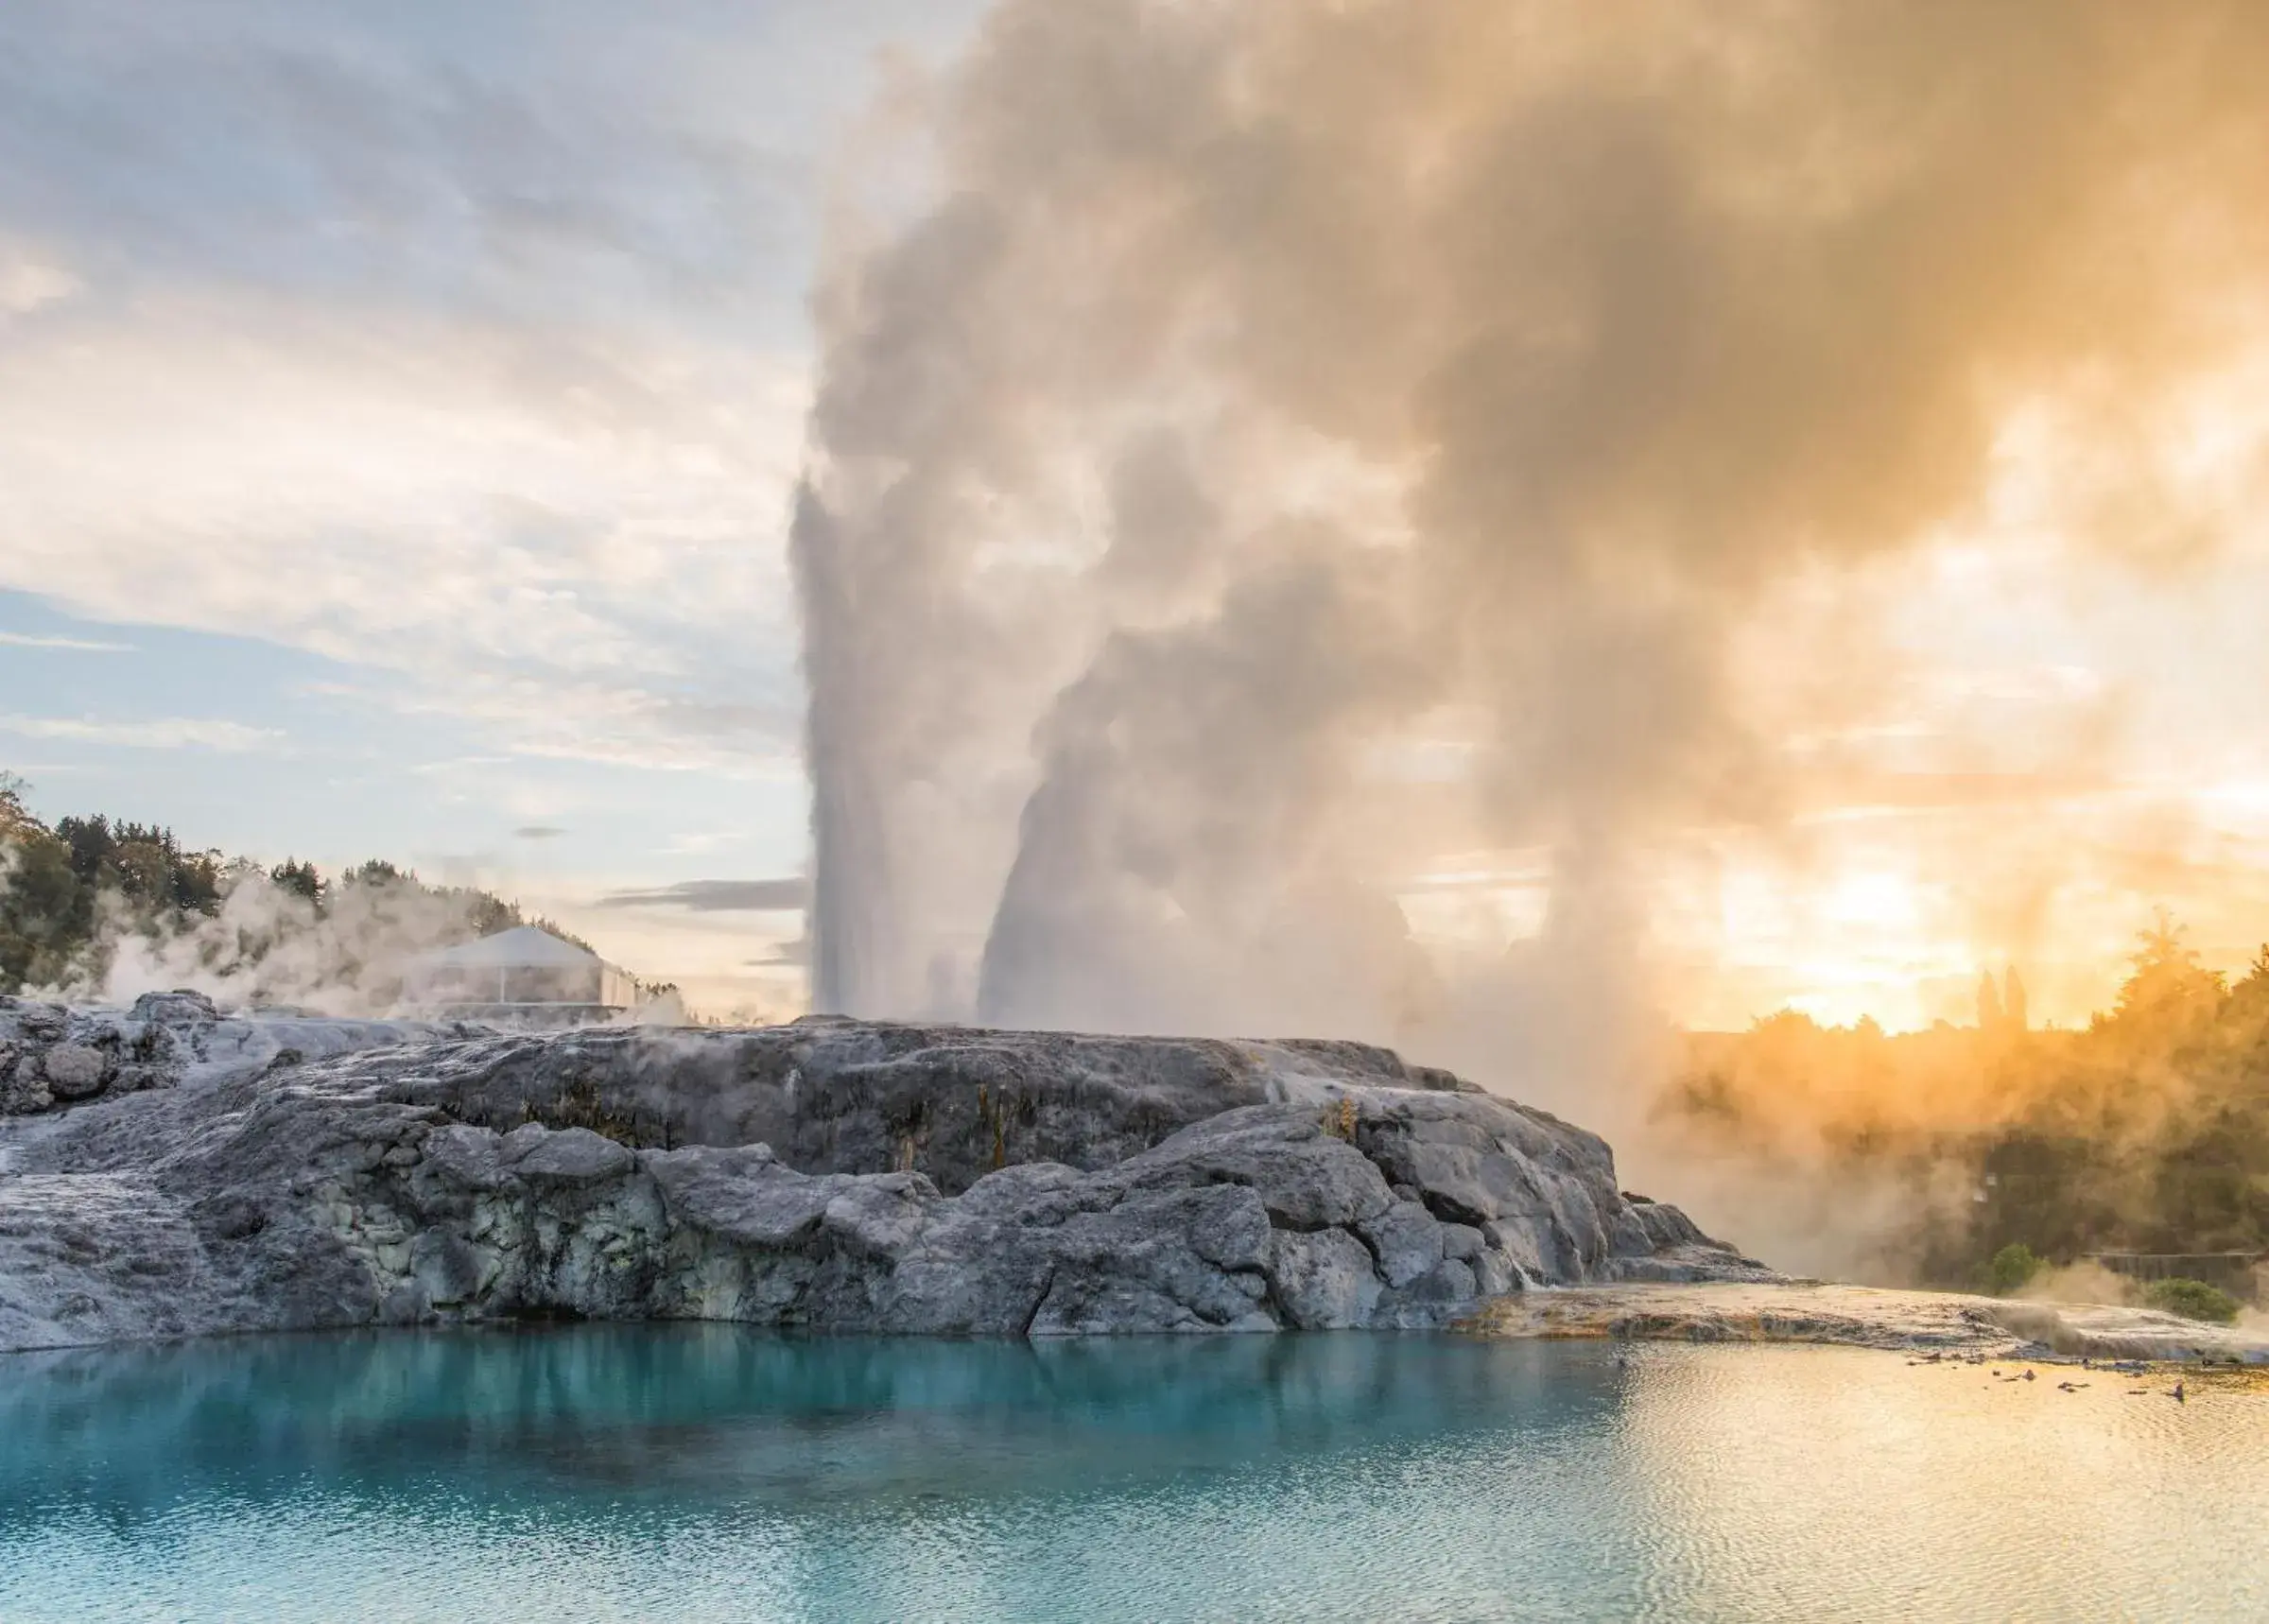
(1288, 444)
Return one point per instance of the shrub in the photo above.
(2012, 1268)
(2193, 1300)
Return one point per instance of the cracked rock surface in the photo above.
(828, 1175)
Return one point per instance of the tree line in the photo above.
(2145, 1131)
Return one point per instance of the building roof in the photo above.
(524, 947)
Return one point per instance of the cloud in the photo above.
(76, 645)
(637, 610)
(538, 831)
(477, 365)
(162, 732)
(719, 896)
(29, 284)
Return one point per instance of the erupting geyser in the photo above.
(1282, 445)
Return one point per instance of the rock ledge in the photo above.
(830, 1175)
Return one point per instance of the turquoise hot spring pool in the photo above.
(705, 1473)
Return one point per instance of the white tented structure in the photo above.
(522, 972)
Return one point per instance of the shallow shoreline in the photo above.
(1940, 1323)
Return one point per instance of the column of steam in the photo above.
(848, 878)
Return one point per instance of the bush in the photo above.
(2012, 1268)
(2191, 1299)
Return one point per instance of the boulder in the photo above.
(176, 1008)
(74, 1071)
(52, 1056)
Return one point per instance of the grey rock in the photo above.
(740, 1195)
(1324, 1280)
(1461, 1240)
(1406, 1240)
(834, 1096)
(165, 1039)
(74, 1071)
(1143, 1185)
(466, 1159)
(1495, 1274)
(1448, 1287)
(405, 1304)
(1690, 1266)
(1144, 1265)
(23, 1090)
(52, 1057)
(1040, 1192)
(177, 1007)
(1306, 1178)
(1664, 1226)
(43, 1023)
(572, 1155)
(1448, 1281)
(451, 1269)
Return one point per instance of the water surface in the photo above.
(703, 1472)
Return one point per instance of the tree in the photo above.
(14, 816)
(2166, 988)
(44, 917)
(142, 871)
(90, 843)
(2191, 1300)
(300, 880)
(2012, 1270)
(2248, 1007)
(196, 877)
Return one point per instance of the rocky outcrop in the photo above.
(828, 1175)
(52, 1056)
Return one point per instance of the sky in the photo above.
(401, 411)
(398, 410)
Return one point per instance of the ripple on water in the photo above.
(706, 1473)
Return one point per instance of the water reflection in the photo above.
(707, 1472)
(709, 1410)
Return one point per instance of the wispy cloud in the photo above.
(719, 896)
(27, 285)
(513, 431)
(538, 831)
(162, 732)
(703, 841)
(76, 645)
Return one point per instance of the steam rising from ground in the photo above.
(1267, 449)
(269, 946)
